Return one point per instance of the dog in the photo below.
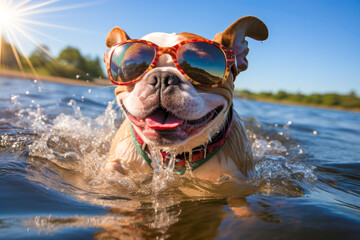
(189, 120)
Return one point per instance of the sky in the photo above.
(313, 46)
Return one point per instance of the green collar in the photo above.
(196, 158)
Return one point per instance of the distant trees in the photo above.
(7, 58)
(72, 56)
(70, 62)
(348, 101)
(281, 95)
(39, 58)
(85, 66)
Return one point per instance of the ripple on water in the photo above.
(65, 152)
(79, 144)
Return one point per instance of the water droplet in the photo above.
(89, 90)
(27, 92)
(190, 156)
(71, 102)
(289, 123)
(315, 132)
(14, 97)
(171, 163)
(205, 150)
(188, 171)
(35, 81)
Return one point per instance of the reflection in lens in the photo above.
(202, 62)
(130, 60)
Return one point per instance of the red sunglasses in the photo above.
(203, 62)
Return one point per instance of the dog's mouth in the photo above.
(164, 126)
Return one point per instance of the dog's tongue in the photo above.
(160, 120)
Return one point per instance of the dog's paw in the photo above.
(115, 166)
(240, 207)
(242, 211)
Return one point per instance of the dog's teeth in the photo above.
(208, 117)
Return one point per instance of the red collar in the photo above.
(202, 152)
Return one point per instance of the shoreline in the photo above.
(106, 82)
(301, 104)
(25, 75)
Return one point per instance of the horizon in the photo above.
(312, 47)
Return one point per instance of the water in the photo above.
(54, 139)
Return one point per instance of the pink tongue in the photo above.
(159, 121)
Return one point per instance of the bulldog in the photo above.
(176, 91)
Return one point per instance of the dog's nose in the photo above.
(163, 79)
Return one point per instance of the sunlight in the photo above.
(16, 21)
(7, 15)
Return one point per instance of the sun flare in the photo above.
(7, 15)
(17, 18)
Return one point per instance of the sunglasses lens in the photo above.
(202, 62)
(130, 60)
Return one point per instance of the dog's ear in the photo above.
(116, 35)
(234, 37)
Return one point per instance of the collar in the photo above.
(196, 157)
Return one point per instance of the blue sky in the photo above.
(313, 46)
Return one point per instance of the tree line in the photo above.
(69, 64)
(347, 101)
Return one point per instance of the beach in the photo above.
(74, 81)
(106, 82)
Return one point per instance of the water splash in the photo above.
(163, 173)
(77, 146)
(279, 170)
(276, 175)
(263, 147)
(71, 141)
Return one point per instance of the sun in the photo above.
(7, 15)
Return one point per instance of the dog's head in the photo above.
(165, 108)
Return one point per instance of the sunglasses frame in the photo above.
(172, 51)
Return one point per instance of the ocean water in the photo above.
(54, 139)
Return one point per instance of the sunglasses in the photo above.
(202, 62)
